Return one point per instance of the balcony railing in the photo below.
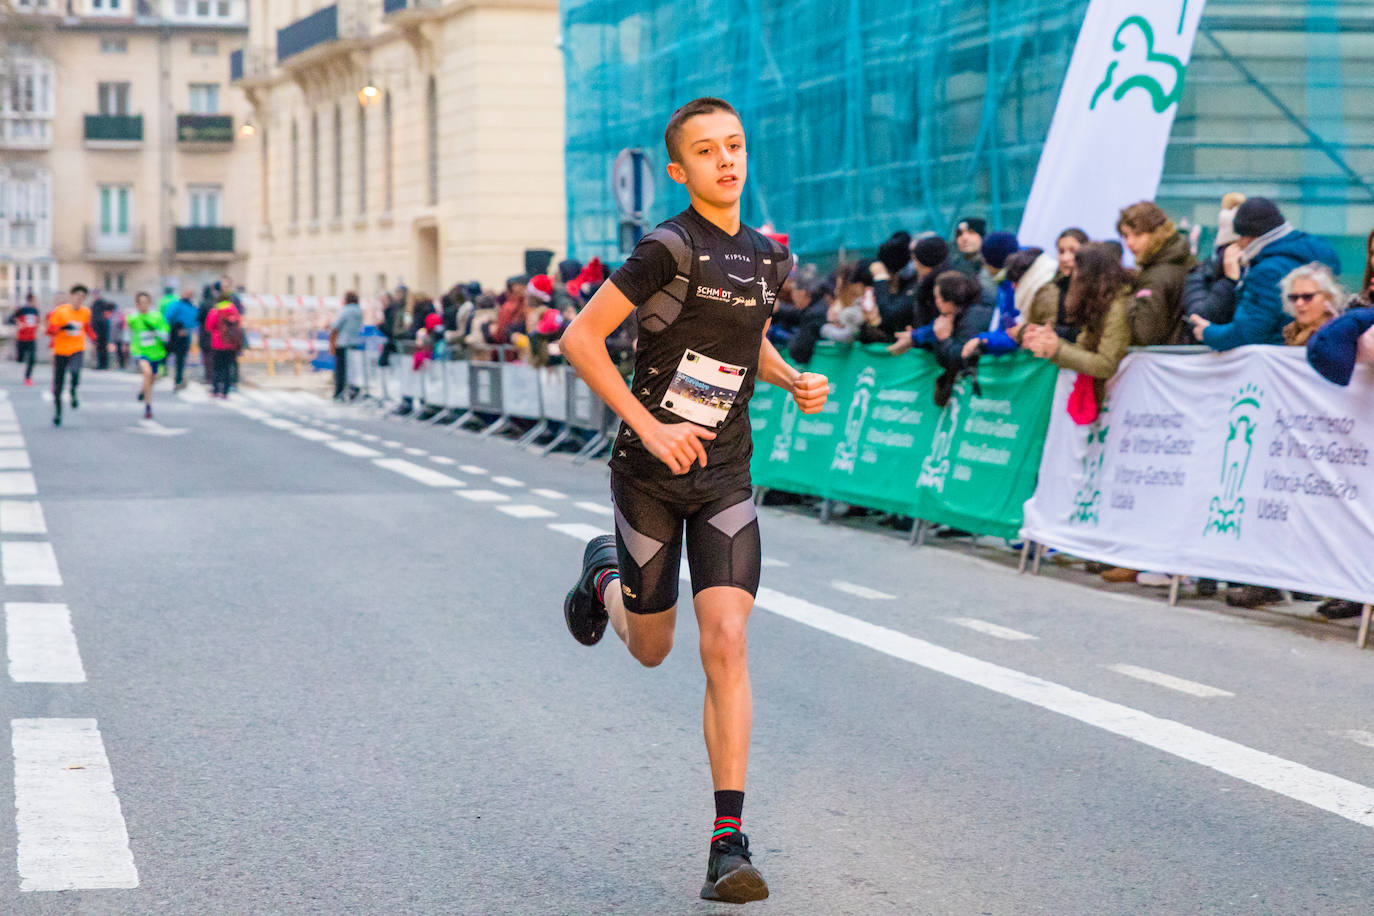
(318, 28)
(116, 246)
(205, 239)
(23, 132)
(203, 128)
(114, 128)
(414, 6)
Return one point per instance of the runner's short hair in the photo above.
(672, 134)
(350, 298)
(143, 294)
(78, 288)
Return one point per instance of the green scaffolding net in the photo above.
(868, 117)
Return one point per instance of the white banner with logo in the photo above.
(1105, 147)
(1243, 466)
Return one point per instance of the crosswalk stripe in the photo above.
(41, 644)
(17, 483)
(22, 516)
(484, 496)
(14, 459)
(418, 473)
(12, 440)
(353, 449)
(29, 563)
(70, 828)
(527, 511)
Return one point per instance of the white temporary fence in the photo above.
(554, 397)
(1242, 467)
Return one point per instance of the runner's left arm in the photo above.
(808, 389)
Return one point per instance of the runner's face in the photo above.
(78, 299)
(142, 303)
(714, 161)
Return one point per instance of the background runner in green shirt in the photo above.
(148, 334)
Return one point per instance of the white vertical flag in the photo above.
(1105, 148)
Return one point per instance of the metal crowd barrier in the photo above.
(477, 389)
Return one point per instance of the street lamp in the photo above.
(368, 94)
(247, 129)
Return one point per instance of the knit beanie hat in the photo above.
(931, 251)
(540, 288)
(974, 224)
(998, 247)
(895, 252)
(1257, 216)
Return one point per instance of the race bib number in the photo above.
(703, 390)
(72, 329)
(147, 338)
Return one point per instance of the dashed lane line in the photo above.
(860, 591)
(597, 508)
(314, 435)
(441, 459)
(29, 563)
(990, 629)
(525, 511)
(417, 452)
(777, 564)
(472, 469)
(22, 516)
(577, 530)
(1192, 688)
(1359, 736)
(507, 482)
(41, 644)
(353, 449)
(417, 473)
(391, 443)
(279, 423)
(549, 494)
(71, 831)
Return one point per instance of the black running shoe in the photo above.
(730, 875)
(585, 614)
(57, 419)
(75, 405)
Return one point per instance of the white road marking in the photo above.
(1359, 737)
(13, 428)
(598, 508)
(1168, 680)
(507, 482)
(22, 516)
(418, 473)
(1341, 797)
(527, 511)
(549, 494)
(472, 469)
(29, 563)
(71, 831)
(440, 459)
(354, 449)
(279, 423)
(17, 483)
(315, 435)
(391, 443)
(990, 629)
(369, 437)
(578, 530)
(41, 644)
(416, 451)
(252, 413)
(14, 459)
(484, 496)
(11, 440)
(769, 561)
(860, 591)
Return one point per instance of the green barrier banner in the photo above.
(889, 420)
(797, 458)
(881, 442)
(984, 455)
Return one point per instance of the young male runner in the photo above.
(704, 288)
(25, 320)
(69, 326)
(148, 335)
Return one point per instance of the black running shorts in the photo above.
(723, 546)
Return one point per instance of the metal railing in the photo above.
(114, 128)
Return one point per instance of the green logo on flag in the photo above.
(1226, 508)
(1088, 500)
(1161, 99)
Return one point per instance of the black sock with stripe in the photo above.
(729, 808)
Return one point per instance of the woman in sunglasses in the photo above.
(1313, 297)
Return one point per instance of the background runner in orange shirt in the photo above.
(69, 326)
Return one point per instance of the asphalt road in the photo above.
(327, 680)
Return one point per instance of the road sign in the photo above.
(632, 179)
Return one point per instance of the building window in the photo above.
(106, 7)
(114, 46)
(222, 8)
(381, 283)
(206, 205)
(338, 164)
(113, 98)
(315, 166)
(333, 286)
(388, 156)
(114, 210)
(25, 196)
(114, 281)
(432, 118)
(290, 285)
(295, 173)
(362, 161)
(204, 98)
(310, 285)
(203, 48)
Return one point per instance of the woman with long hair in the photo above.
(1098, 304)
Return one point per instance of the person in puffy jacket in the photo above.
(1273, 249)
(1164, 259)
(225, 325)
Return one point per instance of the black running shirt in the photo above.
(703, 299)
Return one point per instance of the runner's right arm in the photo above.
(677, 445)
